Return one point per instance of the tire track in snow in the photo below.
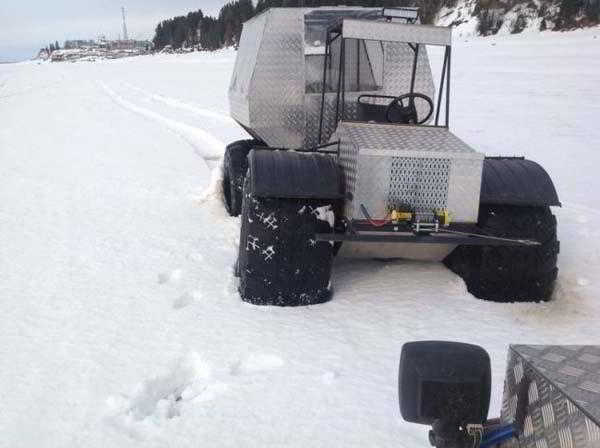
(204, 143)
(178, 104)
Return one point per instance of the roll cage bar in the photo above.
(336, 31)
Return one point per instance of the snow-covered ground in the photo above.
(120, 323)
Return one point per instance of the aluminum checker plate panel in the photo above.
(268, 92)
(552, 396)
(397, 32)
(428, 168)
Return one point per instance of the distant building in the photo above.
(58, 56)
(131, 44)
(79, 43)
(92, 50)
(102, 42)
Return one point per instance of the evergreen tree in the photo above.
(213, 33)
(592, 10)
(567, 13)
(519, 24)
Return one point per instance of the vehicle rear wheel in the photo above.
(235, 166)
(510, 273)
(280, 262)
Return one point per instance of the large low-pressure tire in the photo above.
(510, 273)
(235, 166)
(280, 262)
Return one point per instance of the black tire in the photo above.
(280, 263)
(510, 273)
(235, 166)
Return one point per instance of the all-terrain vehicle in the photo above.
(351, 147)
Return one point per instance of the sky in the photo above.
(28, 25)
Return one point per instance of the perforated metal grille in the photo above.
(421, 183)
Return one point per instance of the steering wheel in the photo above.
(396, 112)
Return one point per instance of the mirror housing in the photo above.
(444, 384)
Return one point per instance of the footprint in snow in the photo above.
(198, 257)
(185, 299)
(156, 400)
(170, 277)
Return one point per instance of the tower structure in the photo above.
(125, 35)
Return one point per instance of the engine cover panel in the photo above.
(387, 166)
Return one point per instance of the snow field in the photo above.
(121, 324)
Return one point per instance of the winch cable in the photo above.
(387, 220)
(490, 237)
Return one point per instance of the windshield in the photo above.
(365, 57)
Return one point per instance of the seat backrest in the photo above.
(372, 112)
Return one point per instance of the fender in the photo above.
(293, 174)
(516, 181)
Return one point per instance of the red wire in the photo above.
(375, 223)
(379, 222)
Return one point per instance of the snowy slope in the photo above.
(120, 323)
(501, 18)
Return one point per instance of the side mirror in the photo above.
(446, 385)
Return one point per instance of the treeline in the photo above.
(576, 13)
(50, 48)
(211, 33)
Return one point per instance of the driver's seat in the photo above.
(378, 112)
(371, 112)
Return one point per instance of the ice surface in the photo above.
(120, 322)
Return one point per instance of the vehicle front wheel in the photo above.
(510, 273)
(235, 166)
(280, 262)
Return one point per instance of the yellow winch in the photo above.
(443, 217)
(397, 215)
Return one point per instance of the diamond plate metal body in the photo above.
(387, 166)
(384, 31)
(267, 89)
(552, 396)
(276, 94)
(269, 92)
